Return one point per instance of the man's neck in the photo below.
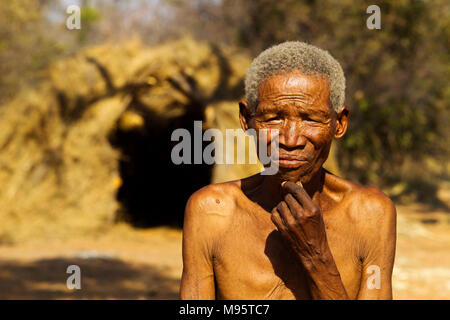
(270, 189)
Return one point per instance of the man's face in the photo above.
(299, 107)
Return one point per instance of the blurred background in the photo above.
(86, 118)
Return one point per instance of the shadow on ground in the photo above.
(100, 279)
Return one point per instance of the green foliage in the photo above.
(88, 17)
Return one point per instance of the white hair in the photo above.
(290, 56)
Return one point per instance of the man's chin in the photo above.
(286, 174)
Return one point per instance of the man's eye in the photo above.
(274, 119)
(313, 120)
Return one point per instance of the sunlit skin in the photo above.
(315, 236)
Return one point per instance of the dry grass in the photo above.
(58, 170)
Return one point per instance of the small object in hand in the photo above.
(297, 183)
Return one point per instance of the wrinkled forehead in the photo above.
(295, 86)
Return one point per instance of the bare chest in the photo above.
(253, 262)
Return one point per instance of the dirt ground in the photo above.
(126, 263)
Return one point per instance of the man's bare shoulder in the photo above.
(367, 205)
(372, 216)
(214, 204)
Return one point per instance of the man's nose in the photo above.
(291, 135)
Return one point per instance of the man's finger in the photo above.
(285, 213)
(294, 206)
(276, 219)
(300, 194)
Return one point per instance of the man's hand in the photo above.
(300, 222)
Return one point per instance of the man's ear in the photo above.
(343, 116)
(244, 115)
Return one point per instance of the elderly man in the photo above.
(302, 233)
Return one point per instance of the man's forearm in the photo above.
(324, 280)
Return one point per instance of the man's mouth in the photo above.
(291, 161)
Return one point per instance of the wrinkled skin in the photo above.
(315, 236)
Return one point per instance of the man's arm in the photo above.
(197, 281)
(379, 240)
